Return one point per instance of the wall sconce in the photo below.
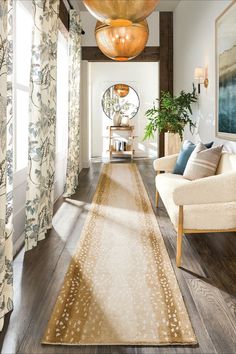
(200, 75)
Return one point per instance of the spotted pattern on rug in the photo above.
(120, 287)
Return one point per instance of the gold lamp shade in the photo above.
(122, 90)
(120, 12)
(122, 43)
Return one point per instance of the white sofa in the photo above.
(201, 206)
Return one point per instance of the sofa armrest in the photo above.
(165, 164)
(216, 189)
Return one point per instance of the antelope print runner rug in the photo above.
(120, 288)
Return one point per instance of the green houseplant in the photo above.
(170, 114)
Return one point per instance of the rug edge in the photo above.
(78, 246)
(133, 344)
(169, 256)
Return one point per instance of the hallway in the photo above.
(207, 279)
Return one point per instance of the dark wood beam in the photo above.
(93, 54)
(64, 15)
(166, 61)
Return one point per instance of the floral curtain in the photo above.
(42, 122)
(74, 104)
(6, 159)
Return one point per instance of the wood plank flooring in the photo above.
(207, 280)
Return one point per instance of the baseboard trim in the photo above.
(86, 164)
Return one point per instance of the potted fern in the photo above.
(170, 114)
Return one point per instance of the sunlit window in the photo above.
(22, 49)
(62, 94)
(23, 39)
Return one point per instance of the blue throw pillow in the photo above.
(184, 155)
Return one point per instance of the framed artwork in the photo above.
(226, 73)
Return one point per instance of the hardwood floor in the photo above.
(207, 280)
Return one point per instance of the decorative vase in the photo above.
(172, 144)
(125, 121)
(116, 119)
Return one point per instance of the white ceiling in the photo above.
(164, 5)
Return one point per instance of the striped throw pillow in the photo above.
(203, 162)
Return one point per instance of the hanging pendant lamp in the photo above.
(122, 43)
(120, 12)
(121, 90)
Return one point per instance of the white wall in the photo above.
(144, 78)
(89, 23)
(194, 45)
(96, 77)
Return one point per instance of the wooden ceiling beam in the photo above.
(93, 54)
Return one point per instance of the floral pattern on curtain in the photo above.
(74, 104)
(6, 159)
(42, 122)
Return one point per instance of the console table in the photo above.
(128, 149)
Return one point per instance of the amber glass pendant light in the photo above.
(121, 90)
(120, 13)
(122, 43)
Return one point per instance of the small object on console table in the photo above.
(125, 148)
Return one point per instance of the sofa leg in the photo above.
(157, 193)
(179, 237)
(157, 198)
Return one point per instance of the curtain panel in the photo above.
(73, 160)
(6, 159)
(42, 122)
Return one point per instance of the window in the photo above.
(22, 53)
(62, 95)
(62, 114)
(23, 39)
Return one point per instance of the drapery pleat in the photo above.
(73, 159)
(6, 159)
(42, 122)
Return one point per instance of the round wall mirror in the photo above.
(122, 99)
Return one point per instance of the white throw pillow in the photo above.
(203, 162)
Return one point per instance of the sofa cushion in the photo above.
(166, 184)
(203, 162)
(198, 217)
(184, 156)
